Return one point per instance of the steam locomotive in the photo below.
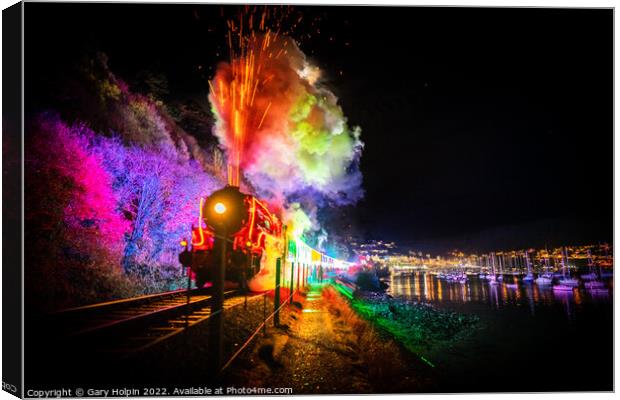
(240, 219)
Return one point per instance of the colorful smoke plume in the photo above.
(280, 127)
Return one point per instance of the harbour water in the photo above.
(530, 337)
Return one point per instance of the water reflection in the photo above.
(512, 291)
(521, 324)
(494, 296)
(531, 294)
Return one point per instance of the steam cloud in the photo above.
(303, 151)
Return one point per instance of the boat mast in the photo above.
(499, 260)
(591, 265)
(563, 263)
(527, 262)
(567, 266)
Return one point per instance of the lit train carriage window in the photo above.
(292, 247)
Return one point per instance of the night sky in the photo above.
(483, 128)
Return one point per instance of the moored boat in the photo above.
(544, 279)
(599, 291)
(572, 282)
(529, 276)
(592, 276)
(594, 285)
(566, 279)
(589, 277)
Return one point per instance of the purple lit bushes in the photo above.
(104, 216)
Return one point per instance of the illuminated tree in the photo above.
(74, 233)
(158, 191)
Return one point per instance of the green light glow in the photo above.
(410, 335)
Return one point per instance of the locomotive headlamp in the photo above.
(225, 210)
(219, 208)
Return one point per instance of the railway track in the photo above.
(127, 327)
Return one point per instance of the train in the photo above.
(248, 226)
(244, 222)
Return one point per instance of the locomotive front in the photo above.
(242, 220)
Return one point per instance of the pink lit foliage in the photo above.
(74, 232)
(90, 205)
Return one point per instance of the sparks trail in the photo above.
(250, 50)
(280, 127)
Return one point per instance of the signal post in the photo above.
(224, 211)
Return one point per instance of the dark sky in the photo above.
(484, 128)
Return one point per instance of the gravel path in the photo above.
(308, 355)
